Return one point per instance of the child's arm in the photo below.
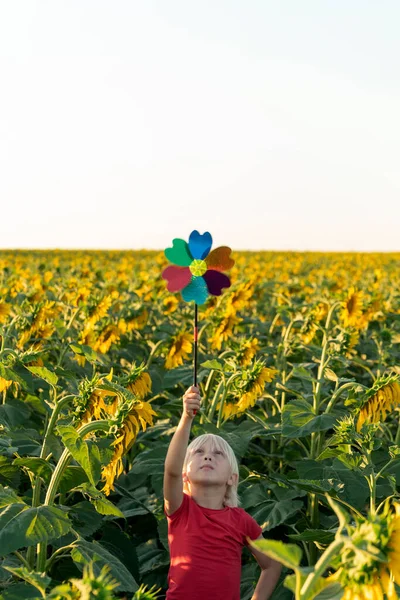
(173, 484)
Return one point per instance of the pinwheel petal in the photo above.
(179, 254)
(177, 278)
(196, 290)
(215, 281)
(200, 245)
(219, 259)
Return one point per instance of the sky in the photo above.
(273, 125)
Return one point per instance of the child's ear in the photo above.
(184, 477)
(233, 479)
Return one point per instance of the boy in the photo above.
(206, 529)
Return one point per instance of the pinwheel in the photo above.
(197, 273)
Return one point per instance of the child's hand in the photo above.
(191, 401)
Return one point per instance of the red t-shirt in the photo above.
(206, 549)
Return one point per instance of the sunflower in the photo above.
(352, 308)
(138, 322)
(370, 565)
(141, 414)
(106, 339)
(100, 399)
(170, 305)
(308, 331)
(254, 386)
(138, 381)
(238, 299)
(98, 311)
(229, 410)
(93, 401)
(248, 351)
(47, 312)
(224, 330)
(4, 384)
(4, 311)
(381, 400)
(179, 350)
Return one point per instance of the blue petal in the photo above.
(196, 290)
(200, 245)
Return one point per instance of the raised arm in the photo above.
(173, 483)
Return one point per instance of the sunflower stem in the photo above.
(215, 399)
(153, 351)
(372, 502)
(397, 438)
(207, 390)
(30, 555)
(225, 392)
(56, 478)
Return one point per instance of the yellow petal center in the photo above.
(198, 267)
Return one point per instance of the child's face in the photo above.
(209, 466)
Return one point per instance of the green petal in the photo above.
(179, 254)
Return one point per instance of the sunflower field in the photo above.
(299, 370)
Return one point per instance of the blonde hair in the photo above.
(231, 497)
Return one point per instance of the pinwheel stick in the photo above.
(195, 337)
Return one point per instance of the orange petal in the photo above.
(219, 259)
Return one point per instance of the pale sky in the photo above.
(273, 124)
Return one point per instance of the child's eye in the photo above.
(218, 452)
(198, 450)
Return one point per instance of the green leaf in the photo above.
(182, 375)
(25, 441)
(8, 496)
(84, 552)
(39, 580)
(272, 513)
(213, 364)
(14, 413)
(100, 502)
(86, 351)
(21, 591)
(329, 374)
(38, 466)
(44, 373)
(320, 486)
(8, 374)
(71, 478)
(21, 526)
(85, 518)
(303, 373)
(8, 473)
(287, 554)
(84, 452)
(150, 462)
(324, 589)
(355, 488)
(314, 535)
(299, 420)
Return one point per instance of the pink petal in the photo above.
(177, 277)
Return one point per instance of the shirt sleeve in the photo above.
(251, 528)
(179, 511)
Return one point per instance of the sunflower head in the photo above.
(247, 351)
(252, 384)
(93, 402)
(379, 401)
(352, 308)
(179, 350)
(370, 560)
